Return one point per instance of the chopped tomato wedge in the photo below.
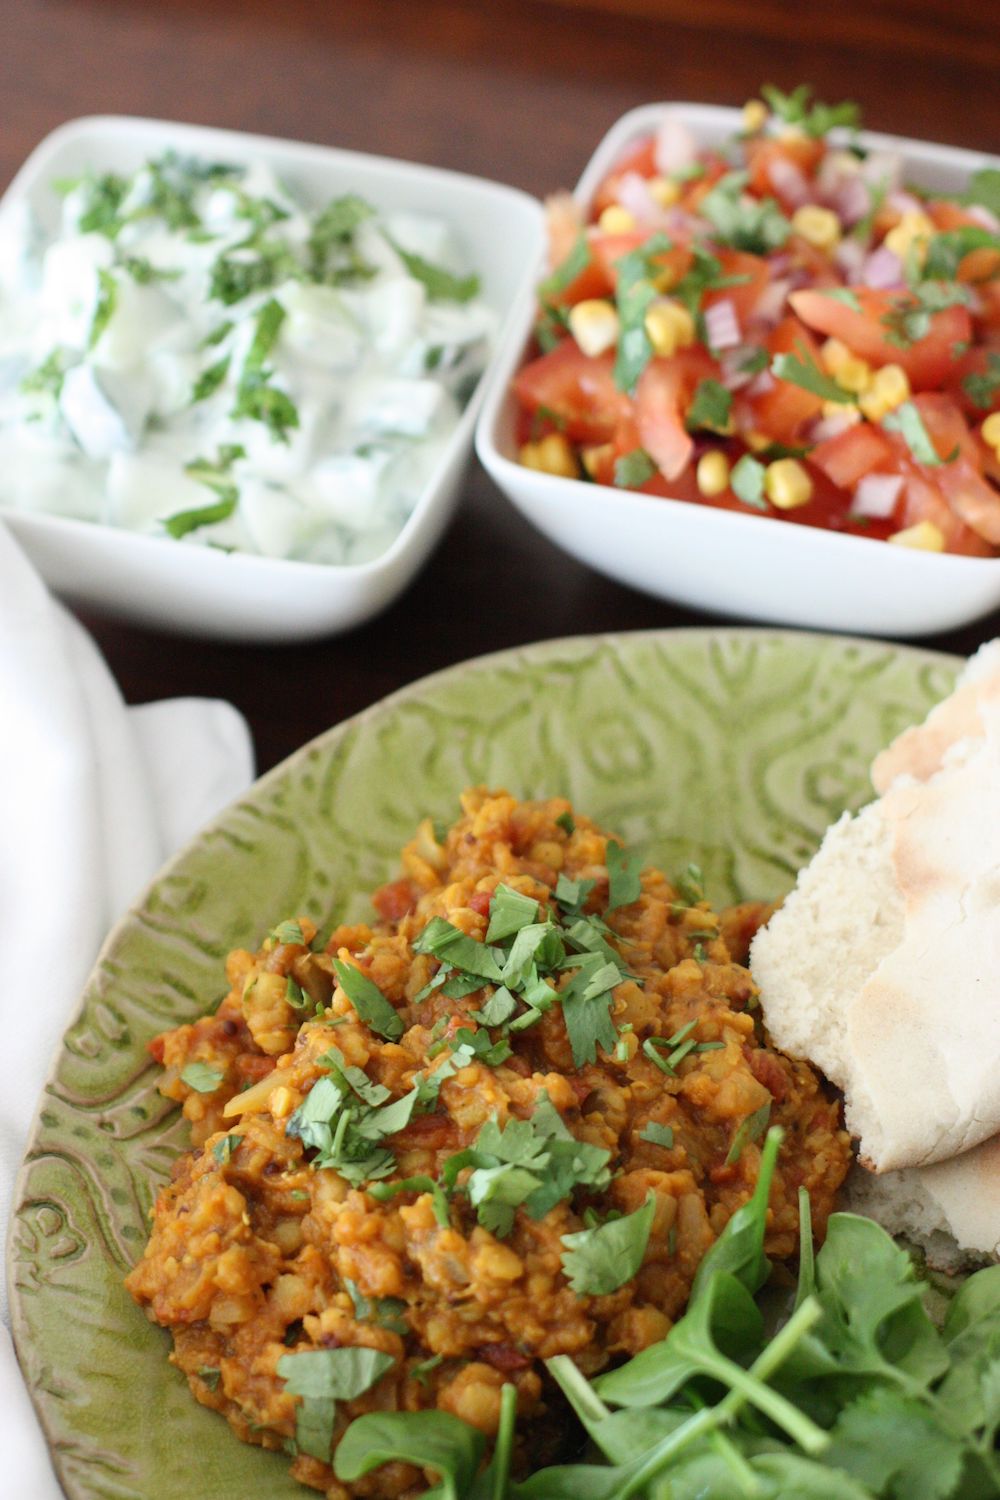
(577, 390)
(640, 158)
(662, 398)
(782, 412)
(763, 156)
(865, 330)
(754, 275)
(788, 283)
(852, 454)
(608, 250)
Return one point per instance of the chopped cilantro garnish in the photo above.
(600, 1260)
(103, 198)
(533, 1164)
(749, 1129)
(981, 386)
(209, 1375)
(635, 293)
(509, 912)
(572, 894)
(201, 1077)
(754, 362)
(945, 252)
(756, 225)
(256, 398)
(288, 933)
(565, 822)
(440, 284)
(104, 309)
(332, 232)
(443, 940)
(383, 1191)
(710, 407)
(215, 477)
(845, 295)
(634, 469)
(624, 883)
(657, 1135)
(223, 1150)
(814, 118)
(209, 380)
(385, 1311)
(747, 482)
(984, 188)
(498, 1008)
(907, 421)
(322, 1377)
(586, 1006)
(802, 370)
(368, 1000)
(47, 378)
(563, 275)
(294, 995)
(909, 318)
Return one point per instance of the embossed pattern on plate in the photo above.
(733, 748)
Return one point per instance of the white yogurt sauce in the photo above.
(197, 356)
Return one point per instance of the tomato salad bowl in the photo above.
(763, 375)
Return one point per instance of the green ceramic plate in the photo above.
(734, 748)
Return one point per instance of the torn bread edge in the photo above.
(950, 1208)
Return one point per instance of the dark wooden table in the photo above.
(519, 90)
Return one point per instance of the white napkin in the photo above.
(93, 798)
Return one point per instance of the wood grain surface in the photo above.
(519, 90)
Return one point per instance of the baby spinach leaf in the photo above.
(428, 1439)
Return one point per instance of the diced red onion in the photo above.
(771, 303)
(722, 325)
(852, 201)
(850, 257)
(761, 384)
(733, 377)
(789, 181)
(882, 269)
(903, 203)
(876, 495)
(882, 169)
(983, 216)
(830, 427)
(675, 147)
(632, 192)
(779, 263)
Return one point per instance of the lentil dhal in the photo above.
(503, 1121)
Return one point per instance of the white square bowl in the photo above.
(724, 561)
(236, 596)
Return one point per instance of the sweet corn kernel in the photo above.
(664, 191)
(854, 375)
(281, 1102)
(786, 484)
(912, 232)
(889, 388)
(669, 327)
(712, 473)
(551, 455)
(818, 226)
(991, 430)
(848, 416)
(924, 536)
(757, 441)
(596, 458)
(755, 116)
(834, 352)
(594, 324)
(616, 220)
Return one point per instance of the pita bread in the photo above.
(951, 1209)
(883, 966)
